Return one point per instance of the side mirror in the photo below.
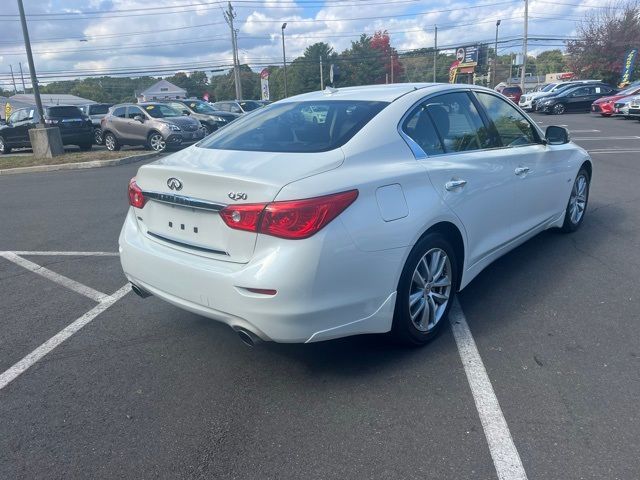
(556, 135)
(139, 118)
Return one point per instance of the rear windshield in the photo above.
(98, 109)
(296, 127)
(511, 90)
(64, 112)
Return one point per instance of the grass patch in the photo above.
(15, 161)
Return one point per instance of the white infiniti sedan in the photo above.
(294, 227)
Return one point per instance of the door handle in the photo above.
(453, 184)
(522, 170)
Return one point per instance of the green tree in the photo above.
(303, 74)
(362, 64)
(550, 61)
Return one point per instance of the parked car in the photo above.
(605, 105)
(210, 118)
(512, 92)
(634, 106)
(154, 125)
(75, 128)
(576, 99)
(96, 112)
(621, 107)
(237, 106)
(264, 103)
(297, 231)
(531, 99)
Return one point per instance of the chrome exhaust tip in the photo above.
(248, 338)
(142, 293)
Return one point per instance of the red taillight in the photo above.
(295, 219)
(136, 198)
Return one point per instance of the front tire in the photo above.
(156, 142)
(559, 109)
(426, 291)
(577, 207)
(4, 148)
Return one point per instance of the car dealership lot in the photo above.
(145, 390)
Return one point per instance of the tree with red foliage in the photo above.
(382, 43)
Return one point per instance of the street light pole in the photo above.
(32, 68)
(435, 53)
(495, 56)
(524, 44)
(284, 59)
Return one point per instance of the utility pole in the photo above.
(24, 87)
(321, 75)
(284, 60)
(15, 90)
(524, 44)
(435, 53)
(495, 57)
(229, 15)
(391, 59)
(32, 68)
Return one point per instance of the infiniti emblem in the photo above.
(174, 184)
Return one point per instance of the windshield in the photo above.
(249, 105)
(67, 112)
(159, 110)
(296, 127)
(201, 107)
(98, 109)
(549, 87)
(628, 91)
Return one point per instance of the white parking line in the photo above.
(56, 277)
(584, 131)
(633, 137)
(27, 362)
(613, 150)
(69, 254)
(506, 458)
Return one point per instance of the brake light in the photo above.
(296, 219)
(136, 197)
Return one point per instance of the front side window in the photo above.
(133, 112)
(289, 127)
(512, 127)
(580, 92)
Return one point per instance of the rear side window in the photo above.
(419, 127)
(63, 112)
(512, 127)
(296, 127)
(120, 112)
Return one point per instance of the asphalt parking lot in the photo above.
(98, 383)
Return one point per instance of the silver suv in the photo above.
(154, 125)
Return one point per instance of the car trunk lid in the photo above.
(185, 192)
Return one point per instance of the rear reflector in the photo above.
(136, 198)
(296, 219)
(262, 291)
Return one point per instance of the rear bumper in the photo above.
(327, 287)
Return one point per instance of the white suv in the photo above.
(295, 230)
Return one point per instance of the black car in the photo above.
(210, 118)
(96, 111)
(75, 127)
(576, 99)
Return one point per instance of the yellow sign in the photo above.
(7, 110)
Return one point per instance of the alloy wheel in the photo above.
(578, 199)
(1, 144)
(430, 289)
(157, 143)
(558, 109)
(97, 136)
(110, 142)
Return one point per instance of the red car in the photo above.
(512, 92)
(604, 105)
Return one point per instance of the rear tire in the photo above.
(4, 148)
(559, 109)
(97, 136)
(426, 291)
(111, 142)
(578, 200)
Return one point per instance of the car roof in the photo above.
(379, 93)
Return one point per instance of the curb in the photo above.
(79, 165)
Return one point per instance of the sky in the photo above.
(80, 37)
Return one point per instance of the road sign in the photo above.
(7, 110)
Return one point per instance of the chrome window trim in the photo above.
(183, 201)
